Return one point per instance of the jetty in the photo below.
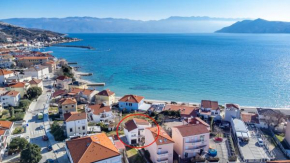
(76, 46)
(96, 84)
(72, 63)
(85, 74)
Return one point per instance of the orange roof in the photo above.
(62, 78)
(184, 110)
(66, 101)
(92, 148)
(35, 81)
(99, 108)
(5, 72)
(25, 58)
(18, 85)
(195, 120)
(5, 125)
(210, 104)
(250, 117)
(73, 116)
(131, 98)
(140, 121)
(163, 137)
(50, 62)
(192, 129)
(106, 92)
(84, 91)
(12, 93)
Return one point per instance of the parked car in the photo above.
(49, 148)
(260, 142)
(44, 138)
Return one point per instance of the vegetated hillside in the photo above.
(257, 26)
(19, 33)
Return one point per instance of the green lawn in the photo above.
(280, 138)
(53, 110)
(18, 130)
(133, 156)
(110, 133)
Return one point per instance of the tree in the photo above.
(18, 144)
(160, 118)
(24, 104)
(11, 110)
(57, 132)
(34, 92)
(31, 154)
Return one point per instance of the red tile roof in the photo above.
(130, 125)
(5, 125)
(184, 110)
(12, 93)
(18, 85)
(59, 93)
(66, 101)
(92, 148)
(236, 106)
(190, 129)
(195, 120)
(86, 92)
(106, 92)
(141, 121)
(250, 117)
(99, 108)
(62, 78)
(163, 137)
(5, 72)
(25, 58)
(35, 81)
(131, 98)
(73, 116)
(210, 104)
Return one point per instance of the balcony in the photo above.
(164, 160)
(194, 149)
(162, 154)
(193, 141)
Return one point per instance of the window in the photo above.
(65, 106)
(72, 105)
(70, 130)
(84, 127)
(202, 138)
(79, 127)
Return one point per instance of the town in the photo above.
(49, 114)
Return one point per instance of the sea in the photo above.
(246, 69)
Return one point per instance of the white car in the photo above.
(260, 142)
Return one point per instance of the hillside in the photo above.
(114, 25)
(257, 26)
(19, 33)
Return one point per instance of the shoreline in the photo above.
(249, 108)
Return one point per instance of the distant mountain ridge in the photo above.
(172, 24)
(257, 26)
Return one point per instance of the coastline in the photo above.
(246, 108)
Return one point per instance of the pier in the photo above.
(76, 46)
(72, 63)
(96, 84)
(85, 74)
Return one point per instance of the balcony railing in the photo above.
(193, 141)
(162, 154)
(162, 160)
(195, 148)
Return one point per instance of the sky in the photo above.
(146, 9)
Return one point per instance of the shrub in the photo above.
(34, 92)
(24, 104)
(233, 158)
(18, 130)
(57, 132)
(197, 159)
(17, 145)
(18, 116)
(5, 112)
(213, 159)
(31, 154)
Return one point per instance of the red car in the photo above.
(44, 138)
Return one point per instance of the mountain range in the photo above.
(257, 26)
(173, 24)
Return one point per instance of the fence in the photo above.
(279, 144)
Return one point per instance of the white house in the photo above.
(76, 123)
(99, 113)
(62, 82)
(37, 71)
(4, 74)
(6, 128)
(232, 111)
(96, 148)
(131, 102)
(209, 108)
(10, 98)
(18, 78)
(134, 130)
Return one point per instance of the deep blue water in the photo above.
(248, 69)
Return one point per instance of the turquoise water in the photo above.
(248, 69)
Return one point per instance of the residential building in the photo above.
(67, 105)
(162, 149)
(209, 108)
(78, 84)
(18, 78)
(31, 61)
(6, 128)
(250, 118)
(75, 123)
(106, 96)
(131, 102)
(99, 113)
(59, 93)
(134, 130)
(270, 117)
(36, 83)
(20, 87)
(196, 120)
(10, 98)
(37, 71)
(4, 74)
(83, 95)
(184, 110)
(62, 82)
(51, 66)
(232, 111)
(190, 140)
(96, 148)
